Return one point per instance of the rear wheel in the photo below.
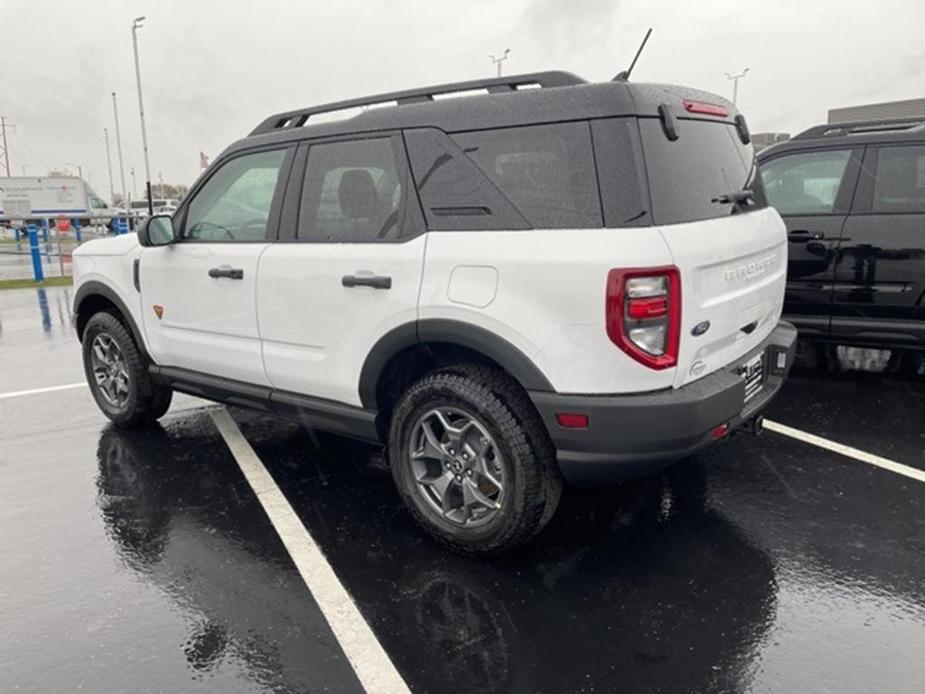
(118, 374)
(472, 460)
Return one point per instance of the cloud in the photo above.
(568, 26)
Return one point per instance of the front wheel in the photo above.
(472, 460)
(118, 375)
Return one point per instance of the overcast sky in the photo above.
(212, 69)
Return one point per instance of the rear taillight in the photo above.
(643, 314)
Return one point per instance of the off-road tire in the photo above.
(505, 410)
(146, 401)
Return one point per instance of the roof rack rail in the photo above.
(860, 127)
(298, 118)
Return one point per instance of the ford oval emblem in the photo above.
(700, 328)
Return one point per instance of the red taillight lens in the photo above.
(705, 109)
(643, 314)
(640, 309)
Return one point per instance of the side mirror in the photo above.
(156, 231)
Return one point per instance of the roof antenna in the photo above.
(625, 75)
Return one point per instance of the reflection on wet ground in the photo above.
(141, 561)
(748, 567)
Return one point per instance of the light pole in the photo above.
(134, 182)
(24, 167)
(112, 188)
(136, 25)
(498, 61)
(735, 83)
(115, 115)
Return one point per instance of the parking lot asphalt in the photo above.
(143, 561)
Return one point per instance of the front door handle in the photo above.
(802, 236)
(232, 273)
(374, 281)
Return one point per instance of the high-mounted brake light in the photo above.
(643, 314)
(705, 109)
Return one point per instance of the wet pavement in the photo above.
(142, 561)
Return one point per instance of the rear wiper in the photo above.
(741, 197)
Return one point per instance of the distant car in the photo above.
(139, 208)
(853, 199)
(165, 209)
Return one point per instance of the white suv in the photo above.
(573, 280)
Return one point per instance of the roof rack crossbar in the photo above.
(868, 126)
(298, 118)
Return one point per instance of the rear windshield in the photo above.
(707, 161)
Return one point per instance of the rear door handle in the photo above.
(232, 273)
(374, 281)
(802, 236)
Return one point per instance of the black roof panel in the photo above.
(504, 102)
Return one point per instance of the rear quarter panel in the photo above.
(548, 297)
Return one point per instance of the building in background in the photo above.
(763, 140)
(912, 109)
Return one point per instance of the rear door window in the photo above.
(807, 182)
(546, 171)
(687, 175)
(352, 192)
(899, 184)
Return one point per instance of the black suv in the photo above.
(853, 199)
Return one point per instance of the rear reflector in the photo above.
(705, 109)
(720, 431)
(572, 420)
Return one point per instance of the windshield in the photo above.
(97, 204)
(689, 176)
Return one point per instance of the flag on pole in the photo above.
(203, 160)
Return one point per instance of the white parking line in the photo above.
(366, 655)
(849, 451)
(36, 391)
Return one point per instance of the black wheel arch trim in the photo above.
(452, 332)
(95, 288)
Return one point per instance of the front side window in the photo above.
(899, 184)
(547, 171)
(234, 204)
(806, 183)
(352, 192)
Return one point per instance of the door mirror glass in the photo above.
(156, 231)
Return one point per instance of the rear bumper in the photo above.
(632, 435)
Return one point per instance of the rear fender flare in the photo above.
(436, 330)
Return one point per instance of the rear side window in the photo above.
(455, 194)
(805, 183)
(546, 171)
(352, 192)
(687, 175)
(899, 184)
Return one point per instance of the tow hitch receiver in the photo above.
(753, 426)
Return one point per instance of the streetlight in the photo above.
(136, 25)
(735, 83)
(115, 115)
(498, 61)
(134, 182)
(112, 188)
